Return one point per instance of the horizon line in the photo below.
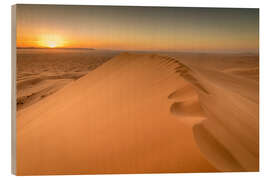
(183, 51)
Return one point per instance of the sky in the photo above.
(138, 28)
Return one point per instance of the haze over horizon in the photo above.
(138, 28)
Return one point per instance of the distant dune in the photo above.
(143, 113)
(252, 73)
(42, 72)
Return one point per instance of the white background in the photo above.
(5, 86)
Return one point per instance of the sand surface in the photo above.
(42, 72)
(229, 136)
(144, 113)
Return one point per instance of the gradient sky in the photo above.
(138, 28)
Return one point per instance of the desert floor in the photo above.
(91, 112)
(41, 72)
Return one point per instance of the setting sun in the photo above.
(51, 44)
(51, 41)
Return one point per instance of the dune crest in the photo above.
(187, 106)
(228, 133)
(116, 118)
(137, 113)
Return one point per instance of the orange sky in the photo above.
(138, 28)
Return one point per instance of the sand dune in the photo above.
(116, 119)
(252, 73)
(187, 106)
(229, 136)
(142, 113)
(31, 90)
(42, 72)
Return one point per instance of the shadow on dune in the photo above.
(223, 127)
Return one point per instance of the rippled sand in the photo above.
(142, 113)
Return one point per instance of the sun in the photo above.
(51, 41)
(51, 44)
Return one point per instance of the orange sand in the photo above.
(143, 113)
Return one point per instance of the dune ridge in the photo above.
(137, 113)
(31, 90)
(42, 72)
(228, 133)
